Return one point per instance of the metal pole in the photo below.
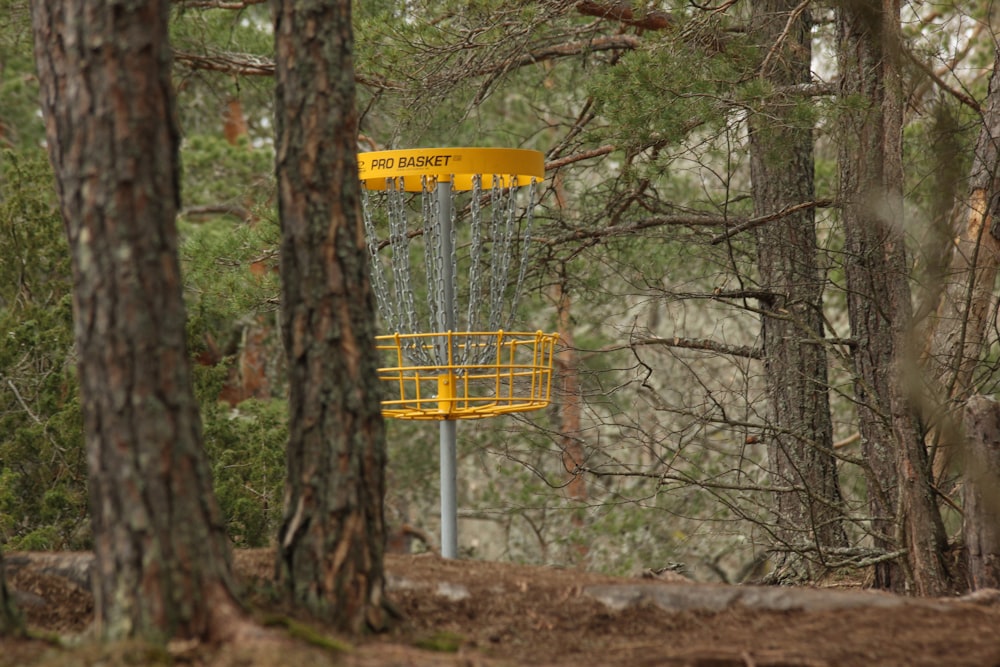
(449, 503)
(449, 475)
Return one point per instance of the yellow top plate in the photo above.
(457, 165)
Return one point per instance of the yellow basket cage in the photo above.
(516, 378)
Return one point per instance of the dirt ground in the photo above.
(471, 613)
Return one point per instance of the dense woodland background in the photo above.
(766, 239)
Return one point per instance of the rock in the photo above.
(76, 566)
(712, 598)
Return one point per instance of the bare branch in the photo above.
(811, 89)
(699, 344)
(756, 222)
(218, 4)
(246, 64)
(612, 43)
(242, 64)
(685, 479)
(585, 155)
(793, 16)
(20, 400)
(689, 220)
(933, 76)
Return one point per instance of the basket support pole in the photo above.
(449, 468)
(449, 500)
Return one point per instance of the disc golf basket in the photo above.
(448, 230)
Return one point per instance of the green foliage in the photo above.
(204, 96)
(247, 448)
(43, 496)
(36, 258)
(223, 296)
(221, 291)
(43, 499)
(217, 172)
(20, 122)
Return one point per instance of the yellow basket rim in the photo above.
(455, 165)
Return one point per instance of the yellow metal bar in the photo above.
(517, 379)
(456, 165)
(446, 392)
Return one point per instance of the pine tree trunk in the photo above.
(981, 491)
(964, 311)
(162, 557)
(903, 508)
(967, 296)
(333, 535)
(800, 445)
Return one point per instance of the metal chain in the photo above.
(529, 218)
(400, 242)
(492, 298)
(453, 260)
(472, 320)
(496, 280)
(510, 223)
(379, 284)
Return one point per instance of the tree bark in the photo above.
(955, 343)
(570, 441)
(800, 441)
(332, 539)
(162, 557)
(903, 508)
(981, 492)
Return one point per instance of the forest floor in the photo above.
(474, 613)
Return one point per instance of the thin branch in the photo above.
(756, 222)
(690, 220)
(217, 4)
(24, 405)
(811, 89)
(792, 17)
(957, 94)
(246, 64)
(685, 479)
(611, 43)
(585, 155)
(699, 344)
(849, 440)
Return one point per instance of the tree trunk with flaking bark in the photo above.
(903, 507)
(162, 556)
(968, 295)
(800, 442)
(981, 491)
(333, 535)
